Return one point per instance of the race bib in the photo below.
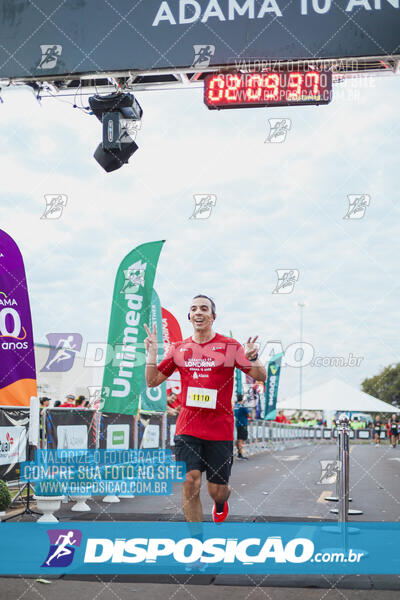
(201, 397)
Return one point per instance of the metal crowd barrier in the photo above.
(270, 434)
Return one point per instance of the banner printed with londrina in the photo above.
(17, 358)
(130, 310)
(155, 399)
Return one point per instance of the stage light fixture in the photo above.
(118, 113)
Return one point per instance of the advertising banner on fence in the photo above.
(171, 333)
(155, 399)
(271, 386)
(116, 432)
(14, 424)
(17, 359)
(71, 429)
(150, 430)
(130, 310)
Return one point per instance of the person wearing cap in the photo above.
(69, 401)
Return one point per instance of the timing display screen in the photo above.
(269, 88)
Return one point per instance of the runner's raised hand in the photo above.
(250, 348)
(151, 341)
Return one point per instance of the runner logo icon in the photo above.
(55, 204)
(286, 281)
(329, 471)
(63, 543)
(278, 129)
(204, 204)
(50, 55)
(63, 347)
(202, 55)
(357, 206)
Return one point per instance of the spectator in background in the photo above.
(173, 406)
(280, 418)
(69, 401)
(57, 403)
(81, 402)
(44, 403)
(241, 418)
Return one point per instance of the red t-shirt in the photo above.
(207, 374)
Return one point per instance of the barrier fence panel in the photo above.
(150, 430)
(70, 428)
(115, 431)
(14, 423)
(254, 428)
(170, 432)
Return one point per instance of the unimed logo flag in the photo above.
(17, 359)
(131, 304)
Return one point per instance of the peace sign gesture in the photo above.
(151, 341)
(250, 348)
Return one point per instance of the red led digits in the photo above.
(271, 86)
(254, 87)
(313, 79)
(295, 86)
(216, 88)
(241, 90)
(232, 87)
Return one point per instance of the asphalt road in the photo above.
(273, 485)
(282, 485)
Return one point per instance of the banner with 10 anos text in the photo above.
(17, 359)
(130, 310)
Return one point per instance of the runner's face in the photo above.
(200, 314)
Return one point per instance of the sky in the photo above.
(278, 206)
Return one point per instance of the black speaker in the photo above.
(114, 159)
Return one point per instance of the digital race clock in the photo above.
(268, 88)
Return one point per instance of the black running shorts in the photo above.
(213, 457)
(241, 431)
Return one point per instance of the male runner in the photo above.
(204, 429)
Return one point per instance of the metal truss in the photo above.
(163, 79)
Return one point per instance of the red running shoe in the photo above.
(219, 517)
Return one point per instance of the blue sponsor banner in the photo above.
(170, 547)
(271, 387)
